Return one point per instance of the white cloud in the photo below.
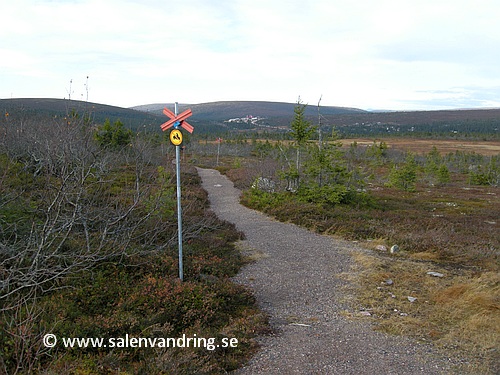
(368, 54)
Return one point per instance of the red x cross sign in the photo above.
(179, 118)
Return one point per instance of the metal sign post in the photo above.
(179, 207)
(219, 141)
(176, 139)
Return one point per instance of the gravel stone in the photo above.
(295, 279)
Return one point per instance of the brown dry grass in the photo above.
(459, 312)
(417, 146)
(420, 146)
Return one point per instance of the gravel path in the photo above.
(295, 281)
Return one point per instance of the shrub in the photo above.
(113, 135)
(488, 174)
(326, 194)
(404, 177)
(443, 174)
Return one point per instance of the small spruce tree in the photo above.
(113, 136)
(302, 131)
(404, 176)
(443, 174)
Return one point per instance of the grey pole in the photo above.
(218, 151)
(179, 209)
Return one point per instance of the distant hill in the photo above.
(460, 121)
(258, 115)
(221, 111)
(219, 117)
(98, 112)
(244, 115)
(207, 117)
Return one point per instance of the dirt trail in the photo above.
(296, 281)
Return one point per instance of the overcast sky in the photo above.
(369, 54)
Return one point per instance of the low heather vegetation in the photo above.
(88, 248)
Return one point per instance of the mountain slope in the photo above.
(221, 111)
(214, 117)
(61, 107)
